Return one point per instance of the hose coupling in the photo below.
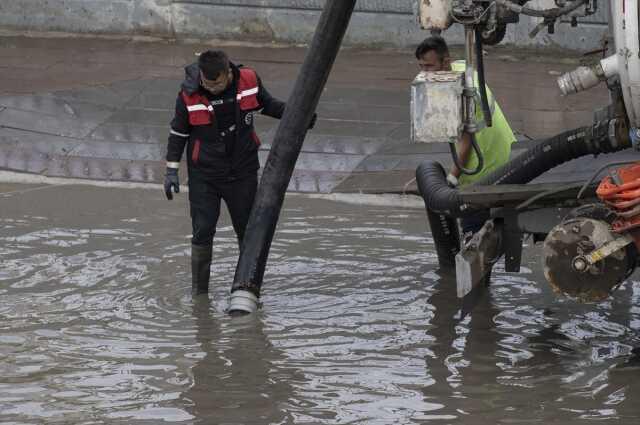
(242, 302)
(586, 77)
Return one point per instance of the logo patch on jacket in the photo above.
(248, 119)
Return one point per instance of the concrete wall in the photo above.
(389, 23)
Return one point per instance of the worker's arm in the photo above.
(178, 137)
(463, 147)
(274, 107)
(178, 134)
(270, 105)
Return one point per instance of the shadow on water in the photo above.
(463, 364)
(538, 370)
(97, 325)
(237, 380)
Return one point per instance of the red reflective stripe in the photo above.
(201, 116)
(248, 82)
(194, 99)
(195, 155)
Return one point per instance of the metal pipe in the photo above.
(284, 153)
(486, 110)
(610, 66)
(469, 93)
(586, 77)
(469, 86)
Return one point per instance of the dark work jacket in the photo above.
(220, 147)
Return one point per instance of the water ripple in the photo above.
(358, 326)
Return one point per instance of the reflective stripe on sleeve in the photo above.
(175, 133)
(175, 165)
(199, 107)
(246, 93)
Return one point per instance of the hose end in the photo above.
(566, 85)
(580, 79)
(242, 302)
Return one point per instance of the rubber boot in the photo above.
(200, 268)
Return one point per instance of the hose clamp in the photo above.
(243, 302)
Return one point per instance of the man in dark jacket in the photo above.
(214, 119)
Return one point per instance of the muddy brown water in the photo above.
(358, 326)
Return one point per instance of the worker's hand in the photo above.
(171, 181)
(452, 181)
(313, 121)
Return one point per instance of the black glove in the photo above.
(171, 181)
(313, 121)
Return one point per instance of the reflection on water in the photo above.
(358, 325)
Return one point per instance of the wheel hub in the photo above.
(566, 268)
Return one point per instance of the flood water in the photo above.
(358, 326)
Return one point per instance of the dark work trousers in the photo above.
(204, 198)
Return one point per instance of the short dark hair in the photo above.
(212, 63)
(435, 43)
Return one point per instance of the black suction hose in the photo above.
(549, 154)
(286, 148)
(441, 199)
(438, 196)
(544, 156)
(446, 235)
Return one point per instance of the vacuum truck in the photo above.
(590, 230)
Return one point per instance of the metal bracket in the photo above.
(581, 262)
(512, 238)
(475, 261)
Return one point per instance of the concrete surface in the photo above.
(390, 23)
(100, 109)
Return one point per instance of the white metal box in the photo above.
(434, 14)
(436, 107)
